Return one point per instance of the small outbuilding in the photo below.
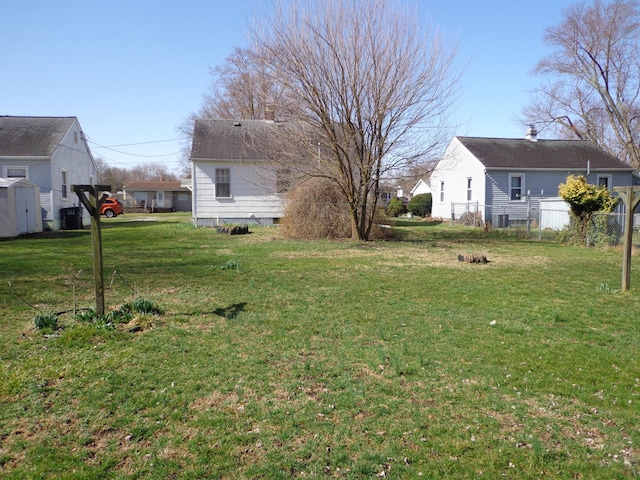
(19, 207)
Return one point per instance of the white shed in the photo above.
(554, 213)
(19, 207)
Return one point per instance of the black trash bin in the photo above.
(71, 218)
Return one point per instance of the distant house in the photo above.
(421, 186)
(52, 153)
(232, 181)
(169, 196)
(503, 180)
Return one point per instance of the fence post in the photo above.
(539, 224)
(630, 196)
(92, 204)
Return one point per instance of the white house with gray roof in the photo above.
(502, 180)
(51, 152)
(232, 178)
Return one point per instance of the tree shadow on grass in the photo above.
(231, 311)
(228, 313)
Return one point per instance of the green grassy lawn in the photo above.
(330, 359)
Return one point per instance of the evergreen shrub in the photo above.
(420, 205)
(395, 207)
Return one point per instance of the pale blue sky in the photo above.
(132, 70)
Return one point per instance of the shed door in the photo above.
(26, 210)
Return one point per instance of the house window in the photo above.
(469, 192)
(604, 181)
(223, 183)
(64, 183)
(15, 172)
(442, 191)
(141, 199)
(516, 187)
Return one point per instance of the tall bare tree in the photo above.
(240, 89)
(118, 177)
(151, 172)
(593, 91)
(371, 84)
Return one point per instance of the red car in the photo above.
(111, 207)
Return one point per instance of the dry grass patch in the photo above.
(410, 256)
(217, 400)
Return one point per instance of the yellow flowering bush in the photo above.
(585, 199)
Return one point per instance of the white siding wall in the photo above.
(454, 169)
(73, 156)
(253, 197)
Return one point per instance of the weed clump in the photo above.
(142, 305)
(127, 313)
(47, 320)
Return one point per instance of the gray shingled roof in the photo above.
(230, 139)
(154, 186)
(543, 154)
(32, 136)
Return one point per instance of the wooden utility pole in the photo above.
(92, 204)
(630, 196)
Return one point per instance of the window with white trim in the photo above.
(15, 172)
(442, 191)
(516, 188)
(64, 183)
(223, 183)
(469, 191)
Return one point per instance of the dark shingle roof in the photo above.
(32, 136)
(154, 186)
(230, 139)
(543, 154)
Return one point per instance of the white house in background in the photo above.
(422, 186)
(231, 179)
(19, 207)
(52, 153)
(503, 180)
(168, 196)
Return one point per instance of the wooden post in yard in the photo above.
(92, 204)
(630, 196)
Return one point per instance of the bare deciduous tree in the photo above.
(371, 85)
(151, 172)
(240, 89)
(119, 177)
(594, 87)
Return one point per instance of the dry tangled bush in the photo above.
(315, 209)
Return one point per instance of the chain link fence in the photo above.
(605, 229)
(474, 214)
